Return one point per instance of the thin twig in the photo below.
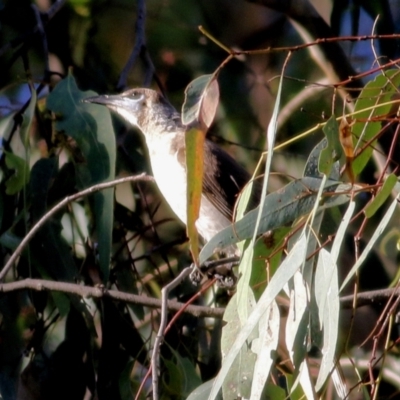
(369, 298)
(155, 358)
(363, 298)
(140, 41)
(43, 37)
(62, 204)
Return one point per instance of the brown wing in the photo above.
(223, 180)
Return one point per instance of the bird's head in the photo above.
(143, 108)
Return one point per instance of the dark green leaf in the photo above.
(21, 175)
(333, 150)
(91, 127)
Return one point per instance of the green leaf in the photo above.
(280, 209)
(203, 391)
(341, 231)
(201, 101)
(91, 128)
(245, 266)
(287, 269)
(274, 392)
(312, 165)
(183, 377)
(21, 175)
(333, 150)
(194, 144)
(381, 196)
(264, 247)
(298, 320)
(378, 232)
(238, 378)
(269, 328)
(327, 297)
(379, 91)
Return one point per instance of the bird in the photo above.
(223, 177)
(164, 133)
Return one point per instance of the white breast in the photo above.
(170, 176)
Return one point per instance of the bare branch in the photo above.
(140, 41)
(101, 292)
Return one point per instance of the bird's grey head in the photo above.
(144, 108)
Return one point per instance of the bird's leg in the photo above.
(220, 269)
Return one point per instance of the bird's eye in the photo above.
(137, 96)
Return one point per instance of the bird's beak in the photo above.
(128, 108)
(112, 101)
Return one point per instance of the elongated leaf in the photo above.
(298, 320)
(381, 196)
(246, 262)
(203, 391)
(287, 269)
(91, 128)
(337, 243)
(378, 231)
(280, 208)
(268, 343)
(238, 379)
(194, 141)
(327, 297)
(375, 93)
(333, 150)
(312, 165)
(198, 111)
(21, 173)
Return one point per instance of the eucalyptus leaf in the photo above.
(201, 101)
(92, 129)
(20, 178)
(372, 103)
(327, 297)
(280, 209)
(287, 269)
(381, 196)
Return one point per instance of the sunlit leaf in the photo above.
(378, 232)
(381, 196)
(202, 392)
(379, 91)
(280, 208)
(194, 141)
(327, 297)
(239, 377)
(287, 269)
(245, 267)
(298, 320)
(333, 150)
(267, 345)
